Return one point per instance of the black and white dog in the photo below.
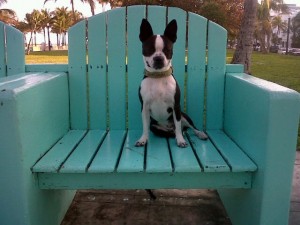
(159, 92)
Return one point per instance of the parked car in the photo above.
(282, 51)
(274, 49)
(295, 51)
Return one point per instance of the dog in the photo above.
(159, 92)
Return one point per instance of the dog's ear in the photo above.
(145, 30)
(171, 31)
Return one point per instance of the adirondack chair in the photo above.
(69, 127)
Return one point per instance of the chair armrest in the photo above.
(34, 114)
(262, 118)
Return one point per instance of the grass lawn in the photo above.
(277, 68)
(59, 57)
(280, 69)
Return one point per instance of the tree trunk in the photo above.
(34, 38)
(28, 45)
(242, 54)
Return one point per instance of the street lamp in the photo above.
(48, 28)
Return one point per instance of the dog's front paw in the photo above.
(182, 144)
(141, 142)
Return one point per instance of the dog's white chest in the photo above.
(158, 96)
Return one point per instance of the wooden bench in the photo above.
(69, 127)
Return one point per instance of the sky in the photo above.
(21, 9)
(27, 6)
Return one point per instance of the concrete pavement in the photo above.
(192, 207)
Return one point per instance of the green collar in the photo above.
(158, 74)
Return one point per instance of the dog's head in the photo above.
(158, 49)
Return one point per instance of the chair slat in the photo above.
(158, 155)
(231, 152)
(54, 158)
(116, 37)
(77, 76)
(107, 157)
(2, 51)
(196, 68)
(178, 60)
(184, 159)
(157, 17)
(97, 71)
(82, 155)
(15, 53)
(132, 158)
(135, 63)
(209, 157)
(217, 41)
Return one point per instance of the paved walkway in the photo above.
(198, 207)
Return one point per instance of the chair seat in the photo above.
(106, 159)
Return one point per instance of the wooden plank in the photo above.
(97, 71)
(116, 37)
(144, 180)
(196, 68)
(54, 158)
(234, 68)
(15, 52)
(209, 157)
(77, 76)
(216, 65)
(178, 60)
(183, 158)
(158, 155)
(2, 51)
(107, 157)
(84, 152)
(132, 158)
(157, 16)
(46, 68)
(135, 65)
(236, 158)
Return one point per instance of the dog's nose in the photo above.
(158, 59)
(158, 62)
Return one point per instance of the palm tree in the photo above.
(105, 2)
(7, 15)
(24, 28)
(90, 2)
(244, 48)
(264, 25)
(46, 20)
(62, 21)
(32, 24)
(278, 24)
(36, 19)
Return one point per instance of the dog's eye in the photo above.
(148, 50)
(168, 52)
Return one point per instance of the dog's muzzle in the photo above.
(158, 62)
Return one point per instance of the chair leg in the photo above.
(262, 205)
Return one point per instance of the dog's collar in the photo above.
(158, 74)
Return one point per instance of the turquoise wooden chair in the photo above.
(69, 127)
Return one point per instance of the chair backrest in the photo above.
(106, 67)
(12, 51)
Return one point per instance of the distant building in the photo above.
(293, 10)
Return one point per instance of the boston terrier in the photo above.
(159, 92)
